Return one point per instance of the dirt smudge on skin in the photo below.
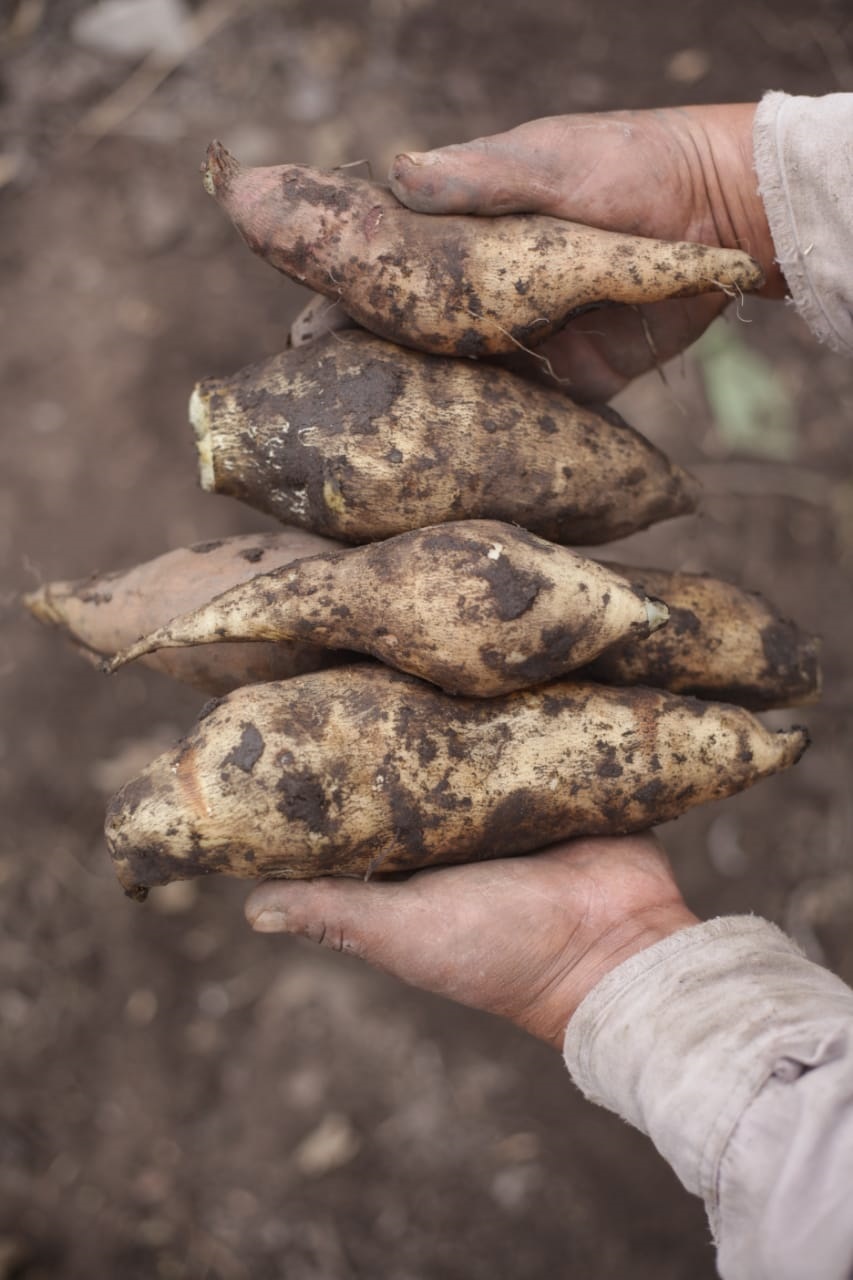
(303, 799)
(608, 766)
(514, 590)
(248, 751)
(208, 709)
(95, 597)
(298, 185)
(131, 796)
(649, 793)
(782, 645)
(153, 865)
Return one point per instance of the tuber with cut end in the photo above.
(108, 611)
(355, 438)
(452, 285)
(476, 607)
(363, 770)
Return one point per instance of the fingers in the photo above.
(478, 177)
(346, 915)
(424, 930)
(521, 171)
(412, 925)
(598, 353)
(587, 168)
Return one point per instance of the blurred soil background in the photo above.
(180, 1099)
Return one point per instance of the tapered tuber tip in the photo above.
(757, 277)
(114, 820)
(657, 613)
(147, 644)
(798, 741)
(43, 605)
(218, 169)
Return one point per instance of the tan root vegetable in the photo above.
(353, 437)
(362, 770)
(476, 607)
(318, 317)
(452, 285)
(720, 642)
(108, 611)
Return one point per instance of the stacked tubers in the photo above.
(521, 693)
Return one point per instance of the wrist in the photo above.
(726, 201)
(550, 1014)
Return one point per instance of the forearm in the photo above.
(735, 1055)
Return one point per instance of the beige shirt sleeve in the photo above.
(804, 161)
(734, 1053)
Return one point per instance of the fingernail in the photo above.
(419, 157)
(270, 921)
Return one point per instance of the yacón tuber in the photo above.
(362, 769)
(476, 607)
(452, 285)
(352, 437)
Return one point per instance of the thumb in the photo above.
(440, 929)
(365, 919)
(499, 174)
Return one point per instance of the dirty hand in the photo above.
(675, 174)
(525, 938)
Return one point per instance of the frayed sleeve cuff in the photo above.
(804, 162)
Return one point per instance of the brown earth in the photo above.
(161, 1067)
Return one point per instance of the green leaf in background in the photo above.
(753, 411)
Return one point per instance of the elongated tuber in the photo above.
(361, 770)
(720, 642)
(452, 285)
(352, 437)
(476, 607)
(108, 611)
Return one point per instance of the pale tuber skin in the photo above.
(363, 771)
(448, 439)
(722, 642)
(478, 607)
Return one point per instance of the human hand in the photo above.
(674, 174)
(525, 938)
